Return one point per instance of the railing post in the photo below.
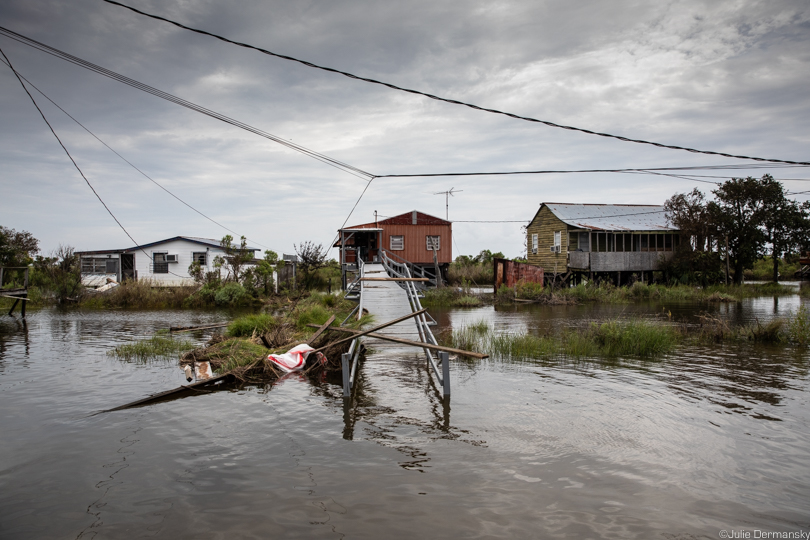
(344, 365)
(445, 358)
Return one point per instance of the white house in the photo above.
(164, 262)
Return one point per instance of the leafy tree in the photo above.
(17, 248)
(62, 273)
(690, 214)
(486, 256)
(785, 222)
(311, 258)
(739, 212)
(235, 258)
(265, 268)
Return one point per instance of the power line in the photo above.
(128, 162)
(8, 63)
(326, 159)
(332, 244)
(578, 171)
(447, 100)
(354, 171)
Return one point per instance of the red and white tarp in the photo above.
(295, 359)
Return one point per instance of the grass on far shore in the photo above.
(633, 338)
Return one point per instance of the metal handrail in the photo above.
(422, 326)
(350, 359)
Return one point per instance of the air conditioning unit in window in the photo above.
(171, 258)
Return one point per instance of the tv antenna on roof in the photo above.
(447, 195)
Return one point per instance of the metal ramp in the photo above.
(389, 299)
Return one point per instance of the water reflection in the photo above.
(708, 438)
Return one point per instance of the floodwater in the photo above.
(707, 440)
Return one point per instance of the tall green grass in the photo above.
(634, 338)
(247, 325)
(607, 293)
(451, 297)
(159, 346)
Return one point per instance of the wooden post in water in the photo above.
(436, 266)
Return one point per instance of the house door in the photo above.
(127, 266)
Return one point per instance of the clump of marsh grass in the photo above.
(634, 338)
(157, 347)
(770, 332)
(249, 325)
(794, 329)
(637, 337)
(799, 327)
(451, 297)
(714, 328)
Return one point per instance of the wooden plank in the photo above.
(15, 297)
(321, 329)
(380, 327)
(410, 342)
(394, 279)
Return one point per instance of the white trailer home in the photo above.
(164, 262)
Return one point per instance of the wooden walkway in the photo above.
(386, 301)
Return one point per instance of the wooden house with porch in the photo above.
(600, 241)
(414, 238)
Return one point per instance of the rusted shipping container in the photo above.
(510, 272)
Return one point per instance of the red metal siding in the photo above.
(415, 237)
(416, 242)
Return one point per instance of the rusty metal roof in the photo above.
(612, 217)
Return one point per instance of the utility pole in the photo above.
(727, 261)
(447, 195)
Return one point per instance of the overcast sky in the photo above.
(728, 76)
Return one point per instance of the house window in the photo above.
(200, 257)
(98, 265)
(397, 243)
(585, 241)
(557, 240)
(433, 242)
(573, 241)
(159, 263)
(534, 244)
(111, 266)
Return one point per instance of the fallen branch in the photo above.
(189, 328)
(161, 395)
(370, 330)
(410, 342)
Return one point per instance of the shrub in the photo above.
(230, 294)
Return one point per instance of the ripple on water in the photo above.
(708, 438)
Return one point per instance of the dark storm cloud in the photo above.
(726, 76)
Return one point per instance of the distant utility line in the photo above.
(42, 114)
(111, 149)
(180, 101)
(447, 100)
